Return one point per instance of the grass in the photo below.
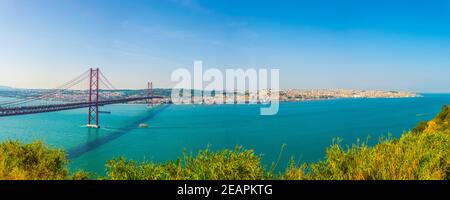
(412, 157)
(424, 156)
(237, 164)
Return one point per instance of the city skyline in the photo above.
(383, 45)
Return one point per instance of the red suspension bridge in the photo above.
(94, 100)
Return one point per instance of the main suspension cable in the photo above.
(63, 87)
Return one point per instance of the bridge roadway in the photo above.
(25, 110)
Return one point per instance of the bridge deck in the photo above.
(25, 110)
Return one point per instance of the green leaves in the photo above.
(32, 161)
(423, 156)
(237, 164)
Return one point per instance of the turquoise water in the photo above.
(307, 128)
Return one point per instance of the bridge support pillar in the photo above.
(150, 94)
(93, 98)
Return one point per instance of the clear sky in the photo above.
(389, 45)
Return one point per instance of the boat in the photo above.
(143, 125)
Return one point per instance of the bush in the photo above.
(424, 156)
(412, 157)
(440, 123)
(81, 175)
(422, 126)
(33, 161)
(237, 164)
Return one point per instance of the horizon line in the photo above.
(165, 88)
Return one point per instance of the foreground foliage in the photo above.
(34, 161)
(238, 164)
(31, 161)
(423, 153)
(412, 157)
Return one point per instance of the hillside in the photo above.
(440, 123)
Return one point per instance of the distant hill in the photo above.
(6, 88)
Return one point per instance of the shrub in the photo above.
(237, 164)
(420, 127)
(412, 157)
(32, 161)
(81, 175)
(440, 123)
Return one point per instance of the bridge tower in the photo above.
(94, 83)
(150, 94)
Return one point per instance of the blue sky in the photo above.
(389, 45)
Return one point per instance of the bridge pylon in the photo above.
(150, 94)
(94, 83)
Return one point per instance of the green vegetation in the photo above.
(412, 157)
(440, 123)
(31, 161)
(239, 164)
(423, 153)
(424, 156)
(420, 127)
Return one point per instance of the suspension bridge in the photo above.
(90, 98)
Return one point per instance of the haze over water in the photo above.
(307, 128)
